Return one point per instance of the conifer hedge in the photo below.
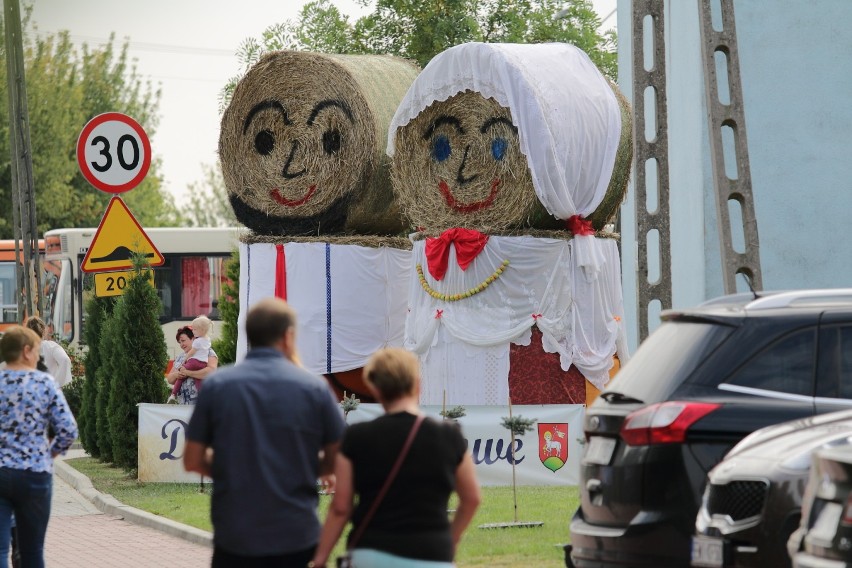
(108, 356)
(97, 311)
(139, 364)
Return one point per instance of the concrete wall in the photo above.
(797, 82)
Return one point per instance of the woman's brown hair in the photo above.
(14, 340)
(393, 372)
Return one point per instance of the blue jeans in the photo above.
(27, 494)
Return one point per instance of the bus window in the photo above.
(8, 285)
(59, 304)
(10, 291)
(189, 286)
(201, 285)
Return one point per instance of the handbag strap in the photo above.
(394, 470)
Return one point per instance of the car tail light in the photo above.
(663, 423)
(847, 511)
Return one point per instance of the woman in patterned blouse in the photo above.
(30, 400)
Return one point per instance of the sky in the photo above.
(186, 48)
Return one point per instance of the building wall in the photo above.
(797, 90)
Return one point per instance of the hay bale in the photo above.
(458, 164)
(617, 189)
(302, 143)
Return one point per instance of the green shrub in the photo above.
(108, 347)
(141, 358)
(229, 310)
(73, 391)
(97, 311)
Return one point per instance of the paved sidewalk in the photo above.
(88, 529)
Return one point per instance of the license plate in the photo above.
(707, 551)
(825, 526)
(600, 450)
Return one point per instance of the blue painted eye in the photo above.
(441, 148)
(498, 148)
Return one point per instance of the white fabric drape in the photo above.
(581, 319)
(257, 281)
(365, 290)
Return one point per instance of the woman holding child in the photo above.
(188, 391)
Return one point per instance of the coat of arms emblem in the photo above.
(553, 444)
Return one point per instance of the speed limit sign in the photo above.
(113, 152)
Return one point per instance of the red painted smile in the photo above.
(468, 207)
(276, 195)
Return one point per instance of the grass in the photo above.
(538, 546)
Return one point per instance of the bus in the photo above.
(189, 283)
(9, 285)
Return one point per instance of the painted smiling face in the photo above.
(298, 147)
(458, 164)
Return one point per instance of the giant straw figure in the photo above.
(302, 152)
(509, 158)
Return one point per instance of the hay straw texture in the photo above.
(617, 189)
(372, 241)
(302, 144)
(458, 164)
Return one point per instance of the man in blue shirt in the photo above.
(273, 429)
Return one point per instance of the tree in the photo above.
(421, 30)
(66, 87)
(140, 363)
(97, 312)
(108, 346)
(229, 310)
(208, 202)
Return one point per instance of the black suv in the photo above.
(700, 383)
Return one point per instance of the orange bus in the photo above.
(9, 289)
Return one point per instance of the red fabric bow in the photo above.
(579, 226)
(468, 243)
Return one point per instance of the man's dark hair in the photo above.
(267, 322)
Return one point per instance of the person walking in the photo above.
(55, 358)
(403, 468)
(30, 401)
(273, 429)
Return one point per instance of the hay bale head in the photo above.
(498, 137)
(458, 164)
(301, 144)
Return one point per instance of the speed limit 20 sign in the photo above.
(114, 283)
(113, 152)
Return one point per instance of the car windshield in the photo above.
(666, 358)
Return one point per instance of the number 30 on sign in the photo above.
(114, 283)
(113, 152)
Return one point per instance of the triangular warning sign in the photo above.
(119, 235)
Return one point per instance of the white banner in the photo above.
(547, 455)
(162, 436)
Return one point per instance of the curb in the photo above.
(111, 506)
